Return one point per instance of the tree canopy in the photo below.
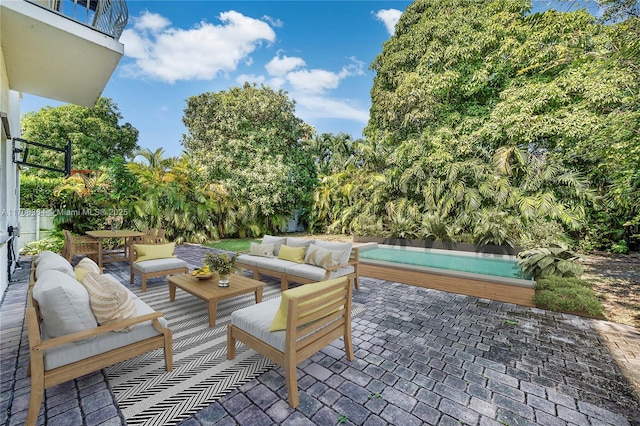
(95, 133)
(486, 119)
(249, 140)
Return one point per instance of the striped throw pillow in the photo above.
(110, 301)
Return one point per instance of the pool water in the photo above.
(473, 264)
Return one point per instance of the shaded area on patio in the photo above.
(422, 356)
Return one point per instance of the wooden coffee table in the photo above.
(209, 291)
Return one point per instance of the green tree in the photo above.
(249, 140)
(96, 135)
(488, 113)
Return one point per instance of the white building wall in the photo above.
(9, 178)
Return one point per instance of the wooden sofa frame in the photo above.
(308, 330)
(41, 379)
(354, 260)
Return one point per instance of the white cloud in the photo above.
(251, 78)
(275, 22)
(319, 81)
(164, 53)
(315, 107)
(389, 17)
(151, 21)
(280, 66)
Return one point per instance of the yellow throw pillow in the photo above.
(294, 254)
(280, 320)
(154, 251)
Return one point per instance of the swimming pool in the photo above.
(500, 266)
(496, 277)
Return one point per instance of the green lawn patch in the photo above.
(233, 244)
(571, 295)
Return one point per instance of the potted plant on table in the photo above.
(223, 263)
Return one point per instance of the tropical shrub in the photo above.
(556, 260)
(54, 243)
(567, 295)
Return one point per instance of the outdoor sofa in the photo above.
(80, 321)
(301, 260)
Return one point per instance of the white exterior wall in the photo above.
(9, 178)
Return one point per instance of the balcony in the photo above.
(64, 50)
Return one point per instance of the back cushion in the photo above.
(64, 304)
(276, 241)
(44, 255)
(53, 263)
(299, 242)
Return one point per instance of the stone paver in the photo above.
(422, 357)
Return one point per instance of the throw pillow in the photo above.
(64, 304)
(293, 254)
(110, 301)
(345, 248)
(280, 319)
(85, 265)
(276, 241)
(154, 251)
(264, 250)
(322, 257)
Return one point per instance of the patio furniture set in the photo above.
(80, 320)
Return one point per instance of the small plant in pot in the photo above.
(223, 263)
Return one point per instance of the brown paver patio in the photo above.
(422, 357)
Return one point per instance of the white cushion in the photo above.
(298, 242)
(332, 245)
(276, 241)
(72, 352)
(158, 265)
(322, 257)
(54, 264)
(247, 259)
(264, 250)
(274, 264)
(45, 254)
(64, 304)
(256, 320)
(304, 270)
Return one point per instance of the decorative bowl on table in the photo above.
(203, 273)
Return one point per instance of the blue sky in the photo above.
(317, 51)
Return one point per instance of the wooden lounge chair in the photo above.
(317, 314)
(79, 245)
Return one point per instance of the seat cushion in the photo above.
(304, 270)
(256, 320)
(64, 304)
(277, 265)
(158, 265)
(72, 352)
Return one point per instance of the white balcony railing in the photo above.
(107, 16)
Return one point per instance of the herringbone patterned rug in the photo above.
(149, 395)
